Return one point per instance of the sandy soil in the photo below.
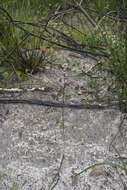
(42, 148)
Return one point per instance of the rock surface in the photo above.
(42, 148)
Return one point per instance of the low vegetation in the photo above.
(29, 30)
(92, 29)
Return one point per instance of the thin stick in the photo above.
(122, 119)
(57, 176)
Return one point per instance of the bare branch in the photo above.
(48, 103)
(19, 90)
(7, 14)
(85, 13)
(46, 38)
(57, 176)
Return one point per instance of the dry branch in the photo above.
(49, 103)
(19, 90)
(85, 13)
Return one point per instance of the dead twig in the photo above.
(122, 119)
(73, 49)
(85, 13)
(19, 90)
(8, 16)
(57, 176)
(49, 103)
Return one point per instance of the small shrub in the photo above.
(28, 60)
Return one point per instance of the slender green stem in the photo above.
(114, 165)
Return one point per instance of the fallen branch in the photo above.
(85, 13)
(49, 103)
(19, 90)
(62, 45)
